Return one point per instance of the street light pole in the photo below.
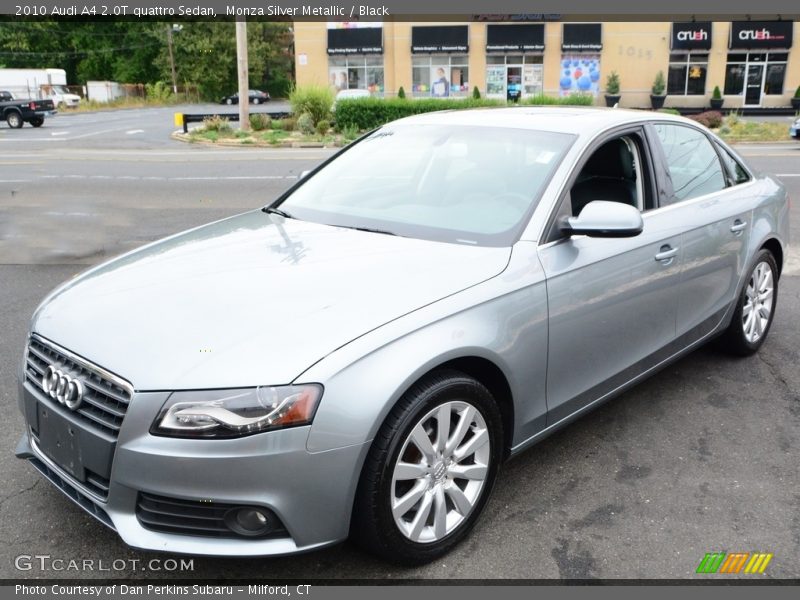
(243, 75)
(172, 59)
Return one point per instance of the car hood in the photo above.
(251, 300)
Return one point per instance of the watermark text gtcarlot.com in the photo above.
(48, 562)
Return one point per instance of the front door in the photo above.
(612, 302)
(513, 83)
(754, 84)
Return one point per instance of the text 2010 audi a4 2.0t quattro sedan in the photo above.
(358, 358)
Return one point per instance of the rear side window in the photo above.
(735, 169)
(694, 166)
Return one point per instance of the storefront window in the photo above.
(356, 73)
(580, 74)
(440, 76)
(773, 83)
(734, 79)
(754, 66)
(687, 74)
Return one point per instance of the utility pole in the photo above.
(172, 59)
(244, 78)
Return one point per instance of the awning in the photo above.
(515, 38)
(691, 36)
(582, 37)
(440, 39)
(761, 34)
(362, 40)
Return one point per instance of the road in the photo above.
(702, 457)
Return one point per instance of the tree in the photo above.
(136, 52)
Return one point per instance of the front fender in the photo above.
(503, 320)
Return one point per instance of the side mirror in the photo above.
(601, 218)
(303, 174)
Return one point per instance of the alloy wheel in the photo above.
(440, 472)
(758, 300)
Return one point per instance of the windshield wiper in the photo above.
(277, 211)
(367, 229)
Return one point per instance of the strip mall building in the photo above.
(754, 63)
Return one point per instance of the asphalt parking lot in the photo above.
(702, 457)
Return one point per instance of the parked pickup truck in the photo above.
(16, 111)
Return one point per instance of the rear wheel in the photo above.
(755, 308)
(37, 121)
(229, 101)
(14, 119)
(430, 470)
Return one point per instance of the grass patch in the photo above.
(734, 129)
(274, 136)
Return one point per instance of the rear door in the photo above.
(711, 206)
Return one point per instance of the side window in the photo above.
(614, 172)
(693, 164)
(737, 173)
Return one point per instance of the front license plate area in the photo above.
(59, 440)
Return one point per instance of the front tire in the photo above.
(256, 101)
(755, 308)
(229, 101)
(430, 470)
(14, 119)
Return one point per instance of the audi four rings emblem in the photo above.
(63, 388)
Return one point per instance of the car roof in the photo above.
(577, 120)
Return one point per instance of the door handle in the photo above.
(667, 253)
(738, 226)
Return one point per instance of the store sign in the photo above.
(691, 36)
(582, 37)
(439, 39)
(761, 34)
(357, 40)
(515, 38)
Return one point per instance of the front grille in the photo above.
(192, 517)
(105, 398)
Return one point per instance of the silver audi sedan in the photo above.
(359, 358)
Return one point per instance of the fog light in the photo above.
(249, 521)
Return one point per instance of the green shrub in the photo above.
(401, 93)
(570, 100)
(289, 124)
(305, 123)
(350, 133)
(314, 100)
(323, 126)
(659, 84)
(669, 111)
(476, 93)
(217, 123)
(260, 121)
(710, 118)
(612, 83)
(797, 92)
(158, 92)
(717, 94)
(369, 113)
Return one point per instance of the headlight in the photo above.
(237, 412)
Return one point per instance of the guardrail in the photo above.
(183, 119)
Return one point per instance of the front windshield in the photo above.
(460, 184)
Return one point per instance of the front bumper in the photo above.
(310, 493)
